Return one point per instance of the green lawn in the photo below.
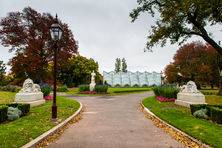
(213, 99)
(113, 91)
(23, 130)
(6, 97)
(180, 117)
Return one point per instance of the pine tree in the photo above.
(124, 65)
(118, 65)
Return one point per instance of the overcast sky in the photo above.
(104, 31)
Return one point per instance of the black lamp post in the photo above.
(56, 34)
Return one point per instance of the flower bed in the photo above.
(88, 92)
(164, 99)
(48, 97)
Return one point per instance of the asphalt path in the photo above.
(114, 122)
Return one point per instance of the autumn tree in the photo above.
(78, 71)
(178, 20)
(27, 34)
(118, 65)
(124, 65)
(2, 72)
(195, 61)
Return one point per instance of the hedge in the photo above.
(214, 112)
(166, 91)
(101, 88)
(3, 113)
(25, 108)
(83, 88)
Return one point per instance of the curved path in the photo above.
(114, 122)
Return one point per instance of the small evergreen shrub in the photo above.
(166, 91)
(101, 88)
(83, 88)
(46, 89)
(145, 85)
(127, 85)
(117, 85)
(196, 107)
(202, 114)
(13, 113)
(136, 85)
(63, 88)
(25, 108)
(3, 113)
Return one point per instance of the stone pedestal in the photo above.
(186, 99)
(92, 86)
(34, 98)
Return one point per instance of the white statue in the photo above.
(189, 88)
(93, 83)
(29, 87)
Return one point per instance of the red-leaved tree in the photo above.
(27, 33)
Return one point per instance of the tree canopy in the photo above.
(27, 33)
(178, 20)
(2, 72)
(195, 61)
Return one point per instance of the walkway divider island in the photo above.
(132, 78)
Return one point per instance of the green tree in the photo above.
(124, 65)
(78, 71)
(118, 65)
(178, 20)
(2, 72)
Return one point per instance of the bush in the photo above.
(202, 113)
(216, 114)
(196, 107)
(117, 85)
(10, 88)
(136, 85)
(46, 89)
(83, 88)
(63, 88)
(25, 108)
(145, 85)
(13, 113)
(101, 88)
(3, 113)
(166, 91)
(127, 85)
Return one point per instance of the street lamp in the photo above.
(56, 34)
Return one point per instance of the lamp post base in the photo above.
(54, 112)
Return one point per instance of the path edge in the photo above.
(52, 131)
(147, 111)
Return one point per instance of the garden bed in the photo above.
(181, 118)
(38, 121)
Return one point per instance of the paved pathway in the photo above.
(114, 122)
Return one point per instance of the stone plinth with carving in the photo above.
(189, 95)
(30, 94)
(93, 83)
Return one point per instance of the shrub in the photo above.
(3, 113)
(136, 85)
(25, 108)
(46, 89)
(166, 91)
(83, 88)
(127, 85)
(202, 113)
(63, 88)
(117, 85)
(13, 113)
(145, 85)
(10, 88)
(101, 88)
(216, 114)
(196, 107)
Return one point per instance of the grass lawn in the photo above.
(38, 121)
(180, 117)
(213, 99)
(112, 91)
(6, 97)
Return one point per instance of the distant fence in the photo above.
(132, 78)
